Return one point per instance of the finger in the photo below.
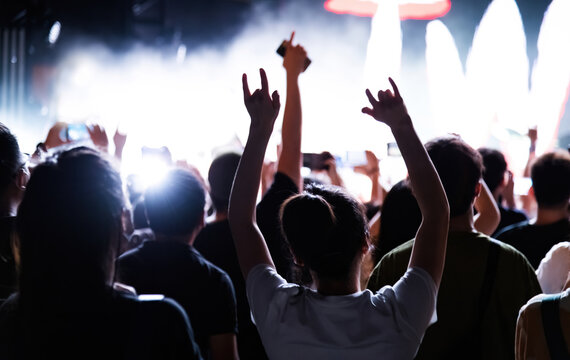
(381, 96)
(396, 91)
(389, 94)
(275, 98)
(246, 92)
(371, 97)
(292, 36)
(264, 84)
(368, 111)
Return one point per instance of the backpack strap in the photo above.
(550, 311)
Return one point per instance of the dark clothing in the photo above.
(180, 272)
(534, 241)
(460, 333)
(215, 242)
(268, 221)
(115, 326)
(509, 217)
(8, 276)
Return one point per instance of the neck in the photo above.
(336, 287)
(545, 216)
(185, 239)
(220, 216)
(8, 207)
(462, 222)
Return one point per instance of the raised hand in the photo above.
(389, 108)
(262, 108)
(295, 57)
(98, 136)
(119, 139)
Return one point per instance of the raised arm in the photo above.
(488, 217)
(250, 245)
(428, 252)
(290, 160)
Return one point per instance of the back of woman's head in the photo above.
(326, 229)
(400, 219)
(68, 224)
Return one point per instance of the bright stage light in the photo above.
(54, 32)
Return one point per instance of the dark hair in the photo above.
(175, 205)
(459, 167)
(10, 157)
(550, 176)
(495, 167)
(325, 228)
(69, 223)
(221, 177)
(399, 221)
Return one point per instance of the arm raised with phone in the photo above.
(429, 247)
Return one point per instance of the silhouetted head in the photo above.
(175, 205)
(69, 226)
(495, 167)
(400, 219)
(550, 176)
(12, 162)
(221, 177)
(459, 167)
(326, 229)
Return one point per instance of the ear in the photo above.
(531, 192)
(22, 178)
(477, 189)
(296, 260)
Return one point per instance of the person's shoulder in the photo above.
(209, 270)
(513, 231)
(401, 250)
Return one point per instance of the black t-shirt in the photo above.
(216, 244)
(115, 326)
(268, 221)
(534, 241)
(509, 217)
(180, 272)
(8, 277)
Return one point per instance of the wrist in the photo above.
(404, 125)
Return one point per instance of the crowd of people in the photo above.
(447, 264)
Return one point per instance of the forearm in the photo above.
(250, 245)
(290, 158)
(246, 183)
(431, 239)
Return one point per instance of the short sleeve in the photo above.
(225, 316)
(416, 295)
(261, 285)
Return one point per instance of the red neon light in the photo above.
(408, 10)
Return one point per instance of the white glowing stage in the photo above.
(192, 101)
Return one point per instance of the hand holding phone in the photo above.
(295, 56)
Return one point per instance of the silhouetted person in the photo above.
(14, 175)
(550, 176)
(69, 230)
(170, 265)
(215, 242)
(484, 283)
(497, 178)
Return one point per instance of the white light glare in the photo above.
(54, 32)
(181, 54)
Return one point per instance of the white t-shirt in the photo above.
(298, 323)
